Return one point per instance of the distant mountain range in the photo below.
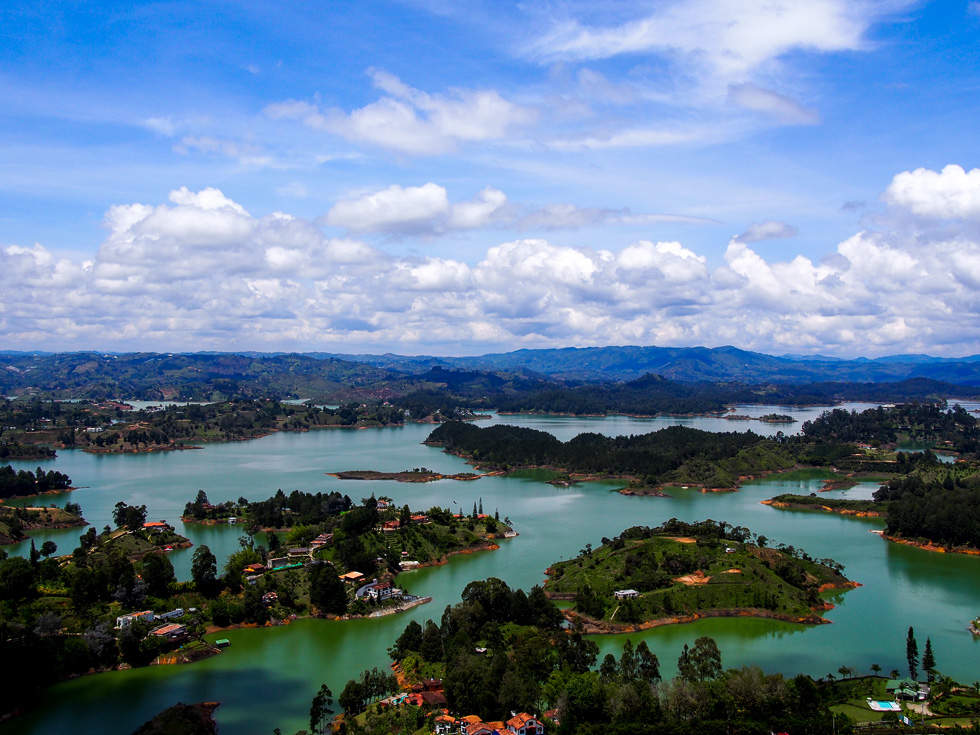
(341, 377)
(690, 364)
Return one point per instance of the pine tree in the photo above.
(912, 653)
(929, 662)
(481, 506)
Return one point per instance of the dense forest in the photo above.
(932, 424)
(942, 506)
(500, 651)
(14, 484)
(676, 453)
(653, 395)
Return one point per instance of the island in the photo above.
(15, 522)
(419, 474)
(843, 506)
(679, 572)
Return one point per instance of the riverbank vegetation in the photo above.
(682, 571)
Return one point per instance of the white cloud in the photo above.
(767, 230)
(727, 39)
(394, 208)
(782, 108)
(202, 272)
(950, 193)
(481, 211)
(411, 121)
(426, 209)
(246, 153)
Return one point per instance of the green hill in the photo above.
(678, 572)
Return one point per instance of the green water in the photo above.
(267, 678)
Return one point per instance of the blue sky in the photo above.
(788, 176)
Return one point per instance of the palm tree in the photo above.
(875, 669)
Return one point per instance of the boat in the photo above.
(222, 643)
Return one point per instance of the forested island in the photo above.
(679, 572)
(23, 483)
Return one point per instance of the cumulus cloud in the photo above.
(411, 121)
(392, 208)
(950, 193)
(767, 230)
(200, 271)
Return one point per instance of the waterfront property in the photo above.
(908, 689)
(171, 632)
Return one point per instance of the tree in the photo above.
(158, 573)
(321, 709)
(875, 669)
(48, 548)
(912, 653)
(410, 640)
(929, 662)
(431, 648)
(327, 592)
(204, 570)
(352, 697)
(16, 579)
(685, 667)
(130, 516)
(706, 658)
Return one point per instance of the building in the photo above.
(524, 724)
(323, 539)
(157, 526)
(172, 632)
(907, 689)
(383, 591)
(175, 613)
(625, 594)
(124, 621)
(352, 577)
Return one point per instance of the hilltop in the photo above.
(679, 572)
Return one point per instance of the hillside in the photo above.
(680, 571)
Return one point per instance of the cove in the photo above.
(267, 677)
